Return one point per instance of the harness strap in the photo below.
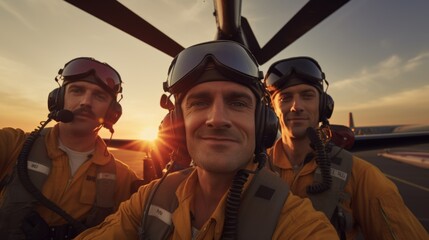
(105, 194)
(164, 202)
(261, 206)
(258, 215)
(330, 201)
(38, 165)
(341, 165)
(18, 202)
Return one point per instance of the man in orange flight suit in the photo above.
(69, 165)
(370, 202)
(220, 115)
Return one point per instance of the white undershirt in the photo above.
(76, 159)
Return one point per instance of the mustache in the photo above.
(85, 111)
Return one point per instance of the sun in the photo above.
(149, 134)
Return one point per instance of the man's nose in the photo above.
(86, 99)
(296, 105)
(218, 115)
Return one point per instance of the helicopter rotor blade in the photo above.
(249, 37)
(119, 16)
(311, 14)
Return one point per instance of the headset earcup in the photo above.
(113, 114)
(56, 99)
(271, 127)
(266, 127)
(178, 131)
(172, 137)
(329, 106)
(326, 107)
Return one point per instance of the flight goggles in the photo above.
(227, 55)
(278, 74)
(81, 67)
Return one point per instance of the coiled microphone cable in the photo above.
(233, 205)
(22, 172)
(233, 199)
(322, 161)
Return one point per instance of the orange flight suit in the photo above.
(298, 220)
(374, 201)
(74, 194)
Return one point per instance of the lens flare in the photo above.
(149, 134)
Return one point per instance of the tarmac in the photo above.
(411, 180)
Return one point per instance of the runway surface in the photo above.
(412, 181)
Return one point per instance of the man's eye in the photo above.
(309, 95)
(197, 104)
(76, 90)
(238, 104)
(285, 98)
(102, 97)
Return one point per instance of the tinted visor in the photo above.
(279, 72)
(107, 77)
(229, 55)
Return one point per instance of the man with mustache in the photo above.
(222, 119)
(354, 194)
(56, 182)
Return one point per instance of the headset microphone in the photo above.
(64, 116)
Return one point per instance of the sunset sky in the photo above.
(375, 54)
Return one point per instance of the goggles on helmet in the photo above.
(279, 72)
(226, 55)
(107, 77)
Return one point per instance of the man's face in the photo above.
(219, 120)
(297, 108)
(89, 103)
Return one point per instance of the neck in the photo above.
(296, 149)
(210, 190)
(76, 142)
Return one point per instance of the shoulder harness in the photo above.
(330, 201)
(260, 206)
(18, 202)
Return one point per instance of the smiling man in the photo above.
(222, 120)
(55, 182)
(354, 194)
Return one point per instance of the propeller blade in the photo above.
(314, 12)
(119, 16)
(249, 37)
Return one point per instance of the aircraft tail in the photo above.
(351, 121)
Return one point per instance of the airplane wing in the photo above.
(389, 140)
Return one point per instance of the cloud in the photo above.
(393, 91)
(404, 99)
(9, 69)
(18, 16)
(415, 62)
(387, 70)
